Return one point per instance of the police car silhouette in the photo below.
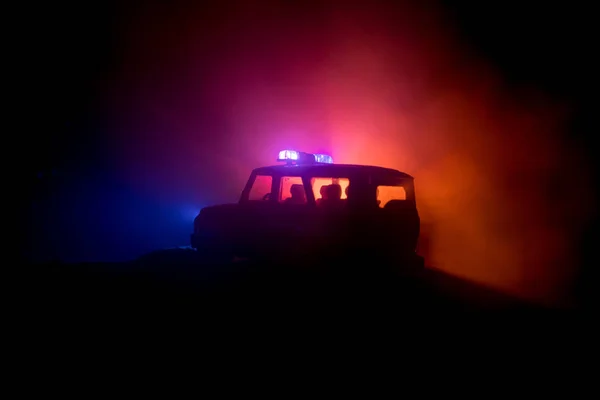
(308, 208)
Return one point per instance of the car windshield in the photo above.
(261, 188)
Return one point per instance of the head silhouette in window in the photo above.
(298, 196)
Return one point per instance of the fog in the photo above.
(199, 97)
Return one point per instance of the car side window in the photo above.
(261, 187)
(385, 194)
(323, 189)
(292, 190)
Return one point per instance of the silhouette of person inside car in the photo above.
(362, 195)
(298, 195)
(323, 192)
(331, 196)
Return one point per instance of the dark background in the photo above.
(135, 129)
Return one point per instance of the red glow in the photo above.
(501, 195)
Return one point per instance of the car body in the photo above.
(314, 209)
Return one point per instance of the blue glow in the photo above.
(190, 212)
(103, 220)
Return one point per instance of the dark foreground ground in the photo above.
(174, 283)
(168, 300)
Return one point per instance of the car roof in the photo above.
(332, 169)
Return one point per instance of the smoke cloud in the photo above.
(202, 96)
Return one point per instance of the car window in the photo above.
(387, 193)
(261, 187)
(292, 190)
(319, 186)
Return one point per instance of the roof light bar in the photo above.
(300, 157)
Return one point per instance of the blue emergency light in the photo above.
(300, 157)
(323, 158)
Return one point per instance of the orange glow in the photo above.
(387, 193)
